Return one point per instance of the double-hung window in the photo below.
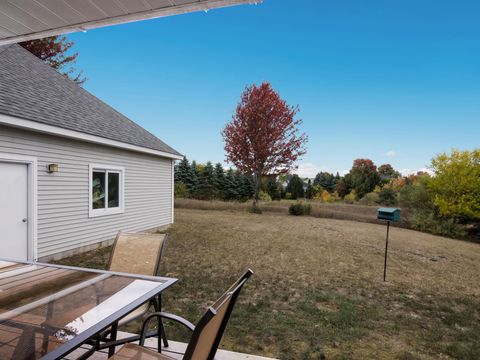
(106, 190)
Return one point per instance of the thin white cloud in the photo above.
(307, 170)
(391, 153)
(407, 172)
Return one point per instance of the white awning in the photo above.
(22, 20)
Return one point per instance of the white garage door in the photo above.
(13, 211)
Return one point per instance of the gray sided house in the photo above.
(73, 171)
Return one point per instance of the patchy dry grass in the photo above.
(317, 289)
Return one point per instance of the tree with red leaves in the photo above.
(364, 176)
(53, 51)
(263, 136)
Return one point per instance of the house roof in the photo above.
(27, 20)
(32, 90)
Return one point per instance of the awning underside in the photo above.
(22, 20)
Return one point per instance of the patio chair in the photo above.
(136, 253)
(205, 337)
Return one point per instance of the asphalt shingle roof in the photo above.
(32, 90)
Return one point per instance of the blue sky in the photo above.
(396, 81)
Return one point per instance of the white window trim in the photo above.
(104, 212)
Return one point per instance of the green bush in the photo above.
(428, 221)
(370, 199)
(180, 190)
(299, 209)
(254, 210)
(350, 198)
(416, 197)
(264, 196)
(387, 197)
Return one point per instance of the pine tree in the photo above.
(245, 186)
(273, 190)
(194, 175)
(309, 191)
(182, 171)
(295, 187)
(326, 180)
(249, 186)
(219, 181)
(231, 189)
(206, 189)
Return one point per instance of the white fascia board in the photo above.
(77, 135)
(122, 19)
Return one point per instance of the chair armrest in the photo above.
(177, 319)
(163, 315)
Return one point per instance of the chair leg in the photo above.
(162, 335)
(113, 337)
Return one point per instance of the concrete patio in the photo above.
(175, 350)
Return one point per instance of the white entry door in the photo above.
(13, 211)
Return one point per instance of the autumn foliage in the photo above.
(263, 136)
(54, 50)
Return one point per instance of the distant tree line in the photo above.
(445, 203)
(208, 182)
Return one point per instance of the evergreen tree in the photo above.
(194, 178)
(249, 184)
(219, 181)
(295, 187)
(183, 173)
(230, 188)
(309, 191)
(245, 186)
(206, 188)
(273, 190)
(326, 180)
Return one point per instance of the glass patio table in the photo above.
(47, 311)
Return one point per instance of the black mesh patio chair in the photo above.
(205, 337)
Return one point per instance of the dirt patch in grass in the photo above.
(318, 290)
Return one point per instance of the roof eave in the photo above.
(71, 134)
(122, 19)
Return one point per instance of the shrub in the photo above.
(427, 221)
(180, 190)
(299, 209)
(327, 197)
(254, 210)
(416, 197)
(335, 197)
(350, 198)
(387, 196)
(264, 196)
(371, 198)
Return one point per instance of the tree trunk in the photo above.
(258, 182)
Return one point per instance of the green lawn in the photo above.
(318, 290)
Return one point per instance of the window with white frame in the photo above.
(106, 190)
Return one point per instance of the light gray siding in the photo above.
(63, 221)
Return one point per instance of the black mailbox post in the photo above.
(388, 214)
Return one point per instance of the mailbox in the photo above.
(389, 214)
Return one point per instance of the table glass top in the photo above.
(43, 307)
